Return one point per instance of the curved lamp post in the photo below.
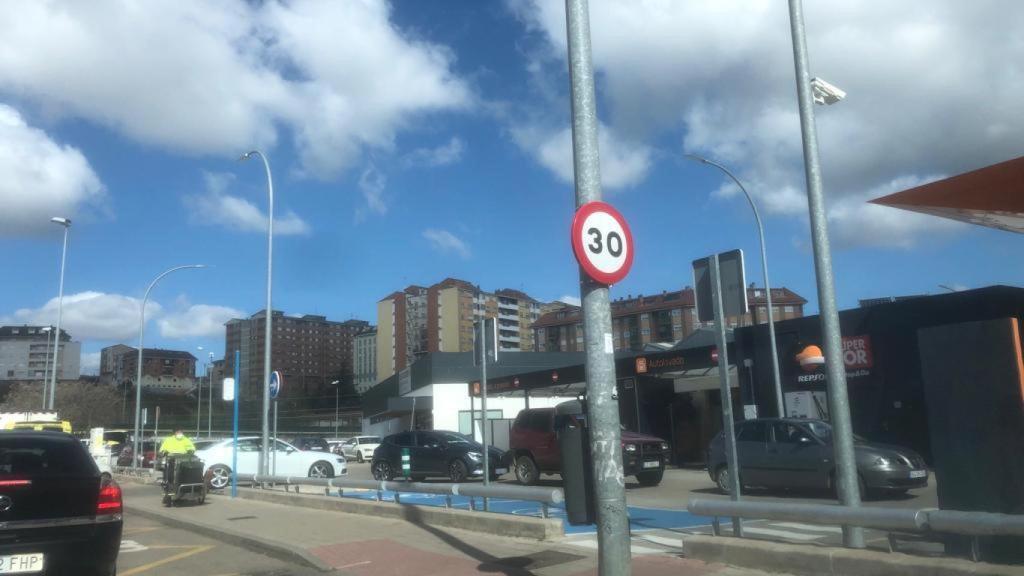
(779, 403)
(138, 372)
(268, 334)
(66, 223)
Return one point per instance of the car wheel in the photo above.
(321, 469)
(218, 476)
(723, 480)
(526, 470)
(457, 471)
(359, 457)
(650, 477)
(382, 471)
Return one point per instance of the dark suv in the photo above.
(57, 514)
(434, 453)
(534, 448)
(798, 453)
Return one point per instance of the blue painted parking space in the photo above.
(640, 519)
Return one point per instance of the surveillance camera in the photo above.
(825, 93)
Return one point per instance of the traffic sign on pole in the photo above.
(276, 382)
(602, 242)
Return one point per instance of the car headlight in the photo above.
(664, 446)
(882, 462)
(475, 456)
(629, 447)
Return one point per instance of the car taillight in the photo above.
(12, 483)
(110, 500)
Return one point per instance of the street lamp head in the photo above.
(700, 159)
(335, 383)
(825, 93)
(62, 221)
(248, 155)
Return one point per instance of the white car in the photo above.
(290, 461)
(361, 447)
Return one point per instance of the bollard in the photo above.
(543, 509)
(405, 463)
(397, 500)
(448, 501)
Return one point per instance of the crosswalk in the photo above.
(643, 543)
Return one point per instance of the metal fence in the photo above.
(544, 496)
(928, 521)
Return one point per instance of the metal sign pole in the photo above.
(273, 441)
(234, 429)
(605, 436)
(839, 401)
(209, 413)
(728, 428)
(483, 402)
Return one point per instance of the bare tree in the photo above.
(84, 404)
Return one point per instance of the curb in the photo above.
(814, 560)
(285, 553)
(543, 529)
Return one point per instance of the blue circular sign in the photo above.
(276, 381)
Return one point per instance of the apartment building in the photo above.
(663, 318)
(439, 318)
(365, 360)
(26, 353)
(310, 352)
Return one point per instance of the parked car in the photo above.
(798, 453)
(361, 447)
(59, 516)
(148, 454)
(534, 448)
(310, 443)
(335, 444)
(290, 461)
(434, 453)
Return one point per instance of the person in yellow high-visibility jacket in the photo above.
(177, 444)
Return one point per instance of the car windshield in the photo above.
(454, 438)
(823, 430)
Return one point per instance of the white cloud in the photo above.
(445, 241)
(933, 87)
(90, 363)
(623, 163)
(197, 320)
(41, 178)
(443, 155)
(220, 78)
(372, 183)
(572, 300)
(90, 315)
(216, 207)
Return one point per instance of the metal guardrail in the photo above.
(923, 521)
(544, 496)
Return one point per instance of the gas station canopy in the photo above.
(991, 196)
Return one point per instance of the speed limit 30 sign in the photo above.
(602, 242)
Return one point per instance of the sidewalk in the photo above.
(362, 545)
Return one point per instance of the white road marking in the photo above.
(353, 565)
(670, 542)
(809, 527)
(781, 534)
(638, 550)
(131, 546)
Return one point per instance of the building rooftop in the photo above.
(27, 332)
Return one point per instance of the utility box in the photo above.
(974, 386)
(577, 474)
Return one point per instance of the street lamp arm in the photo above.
(753, 207)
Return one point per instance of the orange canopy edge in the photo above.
(992, 196)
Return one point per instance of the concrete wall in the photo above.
(385, 339)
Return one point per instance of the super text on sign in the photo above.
(602, 242)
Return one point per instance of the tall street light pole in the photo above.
(66, 223)
(138, 371)
(613, 544)
(209, 392)
(780, 406)
(269, 334)
(337, 398)
(839, 401)
(199, 399)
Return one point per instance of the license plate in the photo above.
(653, 464)
(21, 563)
(501, 470)
(918, 473)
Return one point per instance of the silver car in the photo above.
(798, 453)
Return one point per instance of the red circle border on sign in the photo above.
(578, 249)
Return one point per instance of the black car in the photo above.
(57, 515)
(434, 453)
(798, 453)
(311, 443)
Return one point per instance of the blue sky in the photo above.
(412, 141)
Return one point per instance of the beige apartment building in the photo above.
(440, 318)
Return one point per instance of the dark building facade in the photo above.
(310, 352)
(663, 318)
(156, 363)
